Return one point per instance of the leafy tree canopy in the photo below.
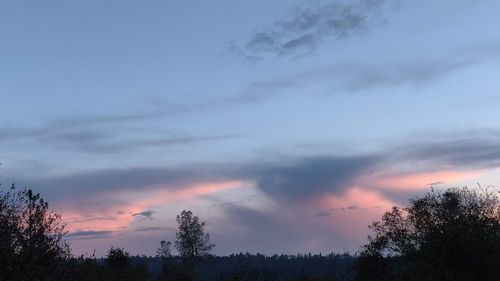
(31, 237)
(192, 241)
(450, 235)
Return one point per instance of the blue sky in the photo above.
(253, 114)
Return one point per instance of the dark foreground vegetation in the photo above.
(442, 236)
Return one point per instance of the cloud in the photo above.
(92, 198)
(292, 178)
(330, 211)
(354, 78)
(89, 184)
(147, 215)
(308, 25)
(85, 137)
(88, 234)
(323, 214)
(223, 204)
(312, 176)
(465, 153)
(89, 219)
(152, 229)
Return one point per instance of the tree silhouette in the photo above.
(163, 251)
(118, 258)
(192, 241)
(32, 245)
(451, 235)
(119, 267)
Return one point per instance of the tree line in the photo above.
(452, 235)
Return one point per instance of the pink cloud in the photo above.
(418, 181)
(118, 218)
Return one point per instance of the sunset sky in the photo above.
(288, 126)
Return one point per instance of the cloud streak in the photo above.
(88, 234)
(152, 229)
(101, 140)
(354, 78)
(146, 215)
(286, 178)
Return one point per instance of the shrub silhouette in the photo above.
(119, 267)
(451, 235)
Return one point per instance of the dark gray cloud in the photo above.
(152, 229)
(312, 176)
(310, 24)
(88, 234)
(146, 215)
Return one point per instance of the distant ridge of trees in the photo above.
(452, 235)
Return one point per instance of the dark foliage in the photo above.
(246, 267)
(31, 244)
(454, 235)
(117, 266)
(192, 242)
(332, 267)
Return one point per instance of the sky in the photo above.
(287, 126)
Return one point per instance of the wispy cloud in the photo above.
(354, 78)
(153, 229)
(330, 211)
(90, 184)
(146, 215)
(88, 234)
(89, 138)
(480, 152)
(310, 24)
